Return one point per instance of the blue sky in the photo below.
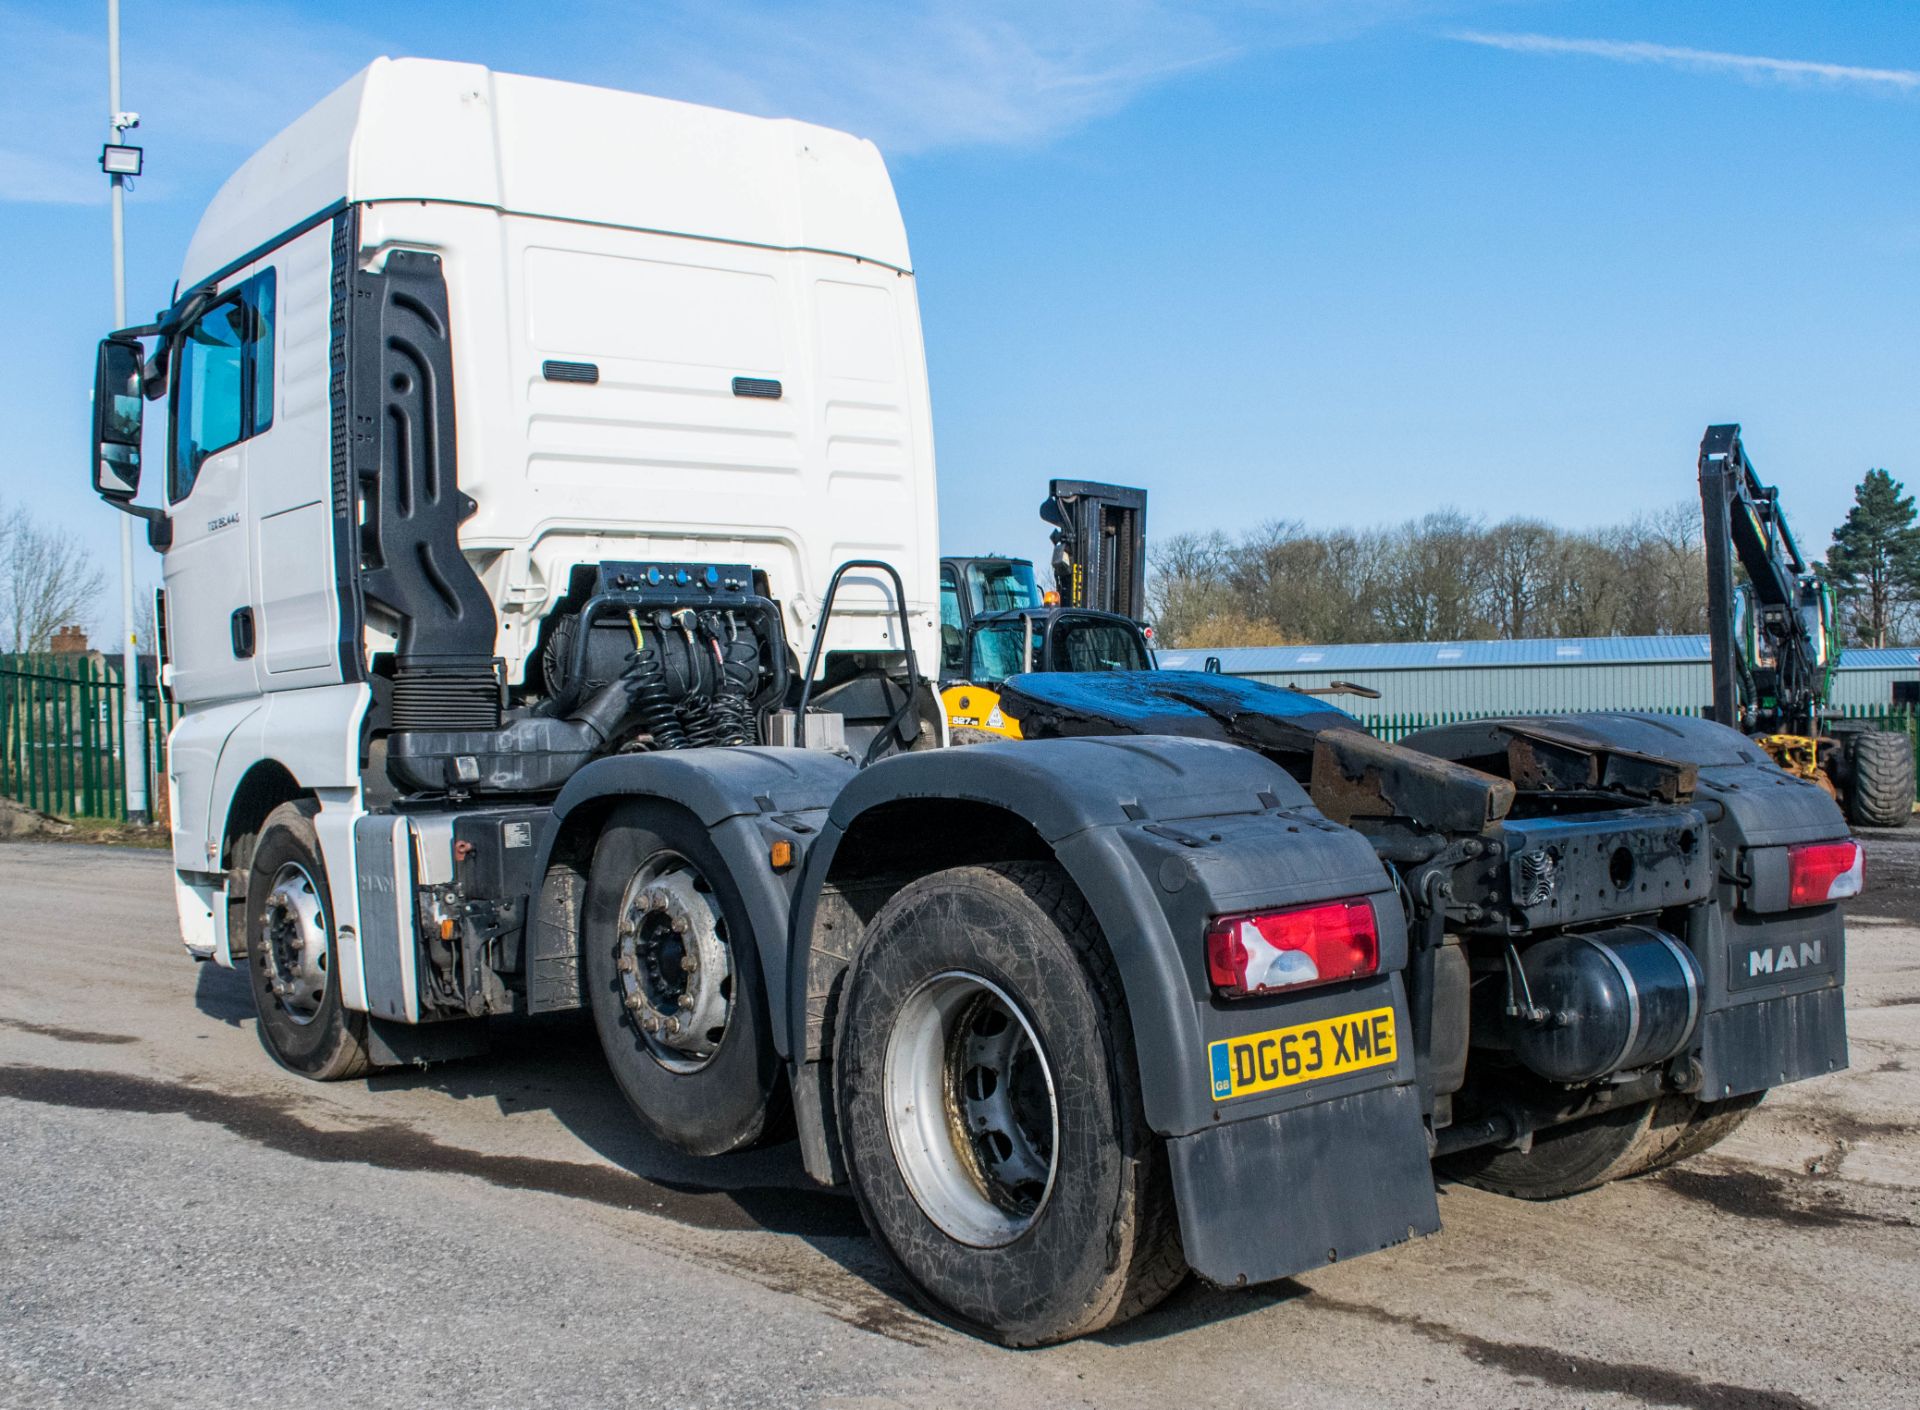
(1340, 262)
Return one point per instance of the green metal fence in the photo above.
(61, 740)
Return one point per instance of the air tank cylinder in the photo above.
(1606, 1001)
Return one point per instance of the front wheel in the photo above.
(290, 954)
(990, 1113)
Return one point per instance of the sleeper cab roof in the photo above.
(423, 130)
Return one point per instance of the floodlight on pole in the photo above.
(119, 161)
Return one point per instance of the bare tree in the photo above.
(47, 580)
(1442, 577)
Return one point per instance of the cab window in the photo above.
(223, 380)
(953, 633)
(1096, 646)
(1001, 649)
(1001, 587)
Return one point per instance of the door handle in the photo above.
(242, 625)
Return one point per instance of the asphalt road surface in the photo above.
(182, 1223)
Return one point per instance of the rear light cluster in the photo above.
(1819, 872)
(1260, 952)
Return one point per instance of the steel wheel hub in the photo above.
(293, 949)
(971, 1109)
(676, 971)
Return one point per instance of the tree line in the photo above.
(1449, 576)
(1445, 576)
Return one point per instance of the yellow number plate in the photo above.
(1283, 1057)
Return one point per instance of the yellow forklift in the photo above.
(996, 620)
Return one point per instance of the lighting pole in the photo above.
(133, 712)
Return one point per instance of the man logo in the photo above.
(1784, 959)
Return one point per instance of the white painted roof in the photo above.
(420, 129)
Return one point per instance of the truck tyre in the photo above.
(290, 956)
(990, 1113)
(1880, 769)
(673, 979)
(1580, 1155)
(1707, 1126)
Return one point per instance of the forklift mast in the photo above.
(1774, 674)
(1099, 545)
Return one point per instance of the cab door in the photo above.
(289, 468)
(217, 404)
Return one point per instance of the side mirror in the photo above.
(119, 379)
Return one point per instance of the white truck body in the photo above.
(671, 248)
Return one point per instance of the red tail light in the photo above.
(1819, 872)
(1259, 952)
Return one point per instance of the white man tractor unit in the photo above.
(551, 578)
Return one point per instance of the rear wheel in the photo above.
(1880, 778)
(990, 1112)
(673, 979)
(1708, 1124)
(290, 955)
(1580, 1155)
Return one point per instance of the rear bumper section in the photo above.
(1750, 1047)
(1277, 1195)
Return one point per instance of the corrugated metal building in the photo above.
(1544, 675)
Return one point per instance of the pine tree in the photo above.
(1875, 557)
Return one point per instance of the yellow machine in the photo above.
(1003, 644)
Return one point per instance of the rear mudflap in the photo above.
(1750, 1047)
(1276, 1195)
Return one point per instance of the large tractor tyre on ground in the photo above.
(1880, 778)
(674, 982)
(290, 956)
(989, 1109)
(1580, 1155)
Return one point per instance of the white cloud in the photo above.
(918, 76)
(1676, 56)
(922, 75)
(213, 78)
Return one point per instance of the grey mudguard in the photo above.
(748, 798)
(1161, 834)
(1761, 1024)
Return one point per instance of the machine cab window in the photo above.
(1001, 585)
(1095, 645)
(953, 624)
(223, 383)
(1002, 648)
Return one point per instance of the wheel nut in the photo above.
(691, 964)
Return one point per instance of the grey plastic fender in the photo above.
(1160, 834)
(747, 798)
